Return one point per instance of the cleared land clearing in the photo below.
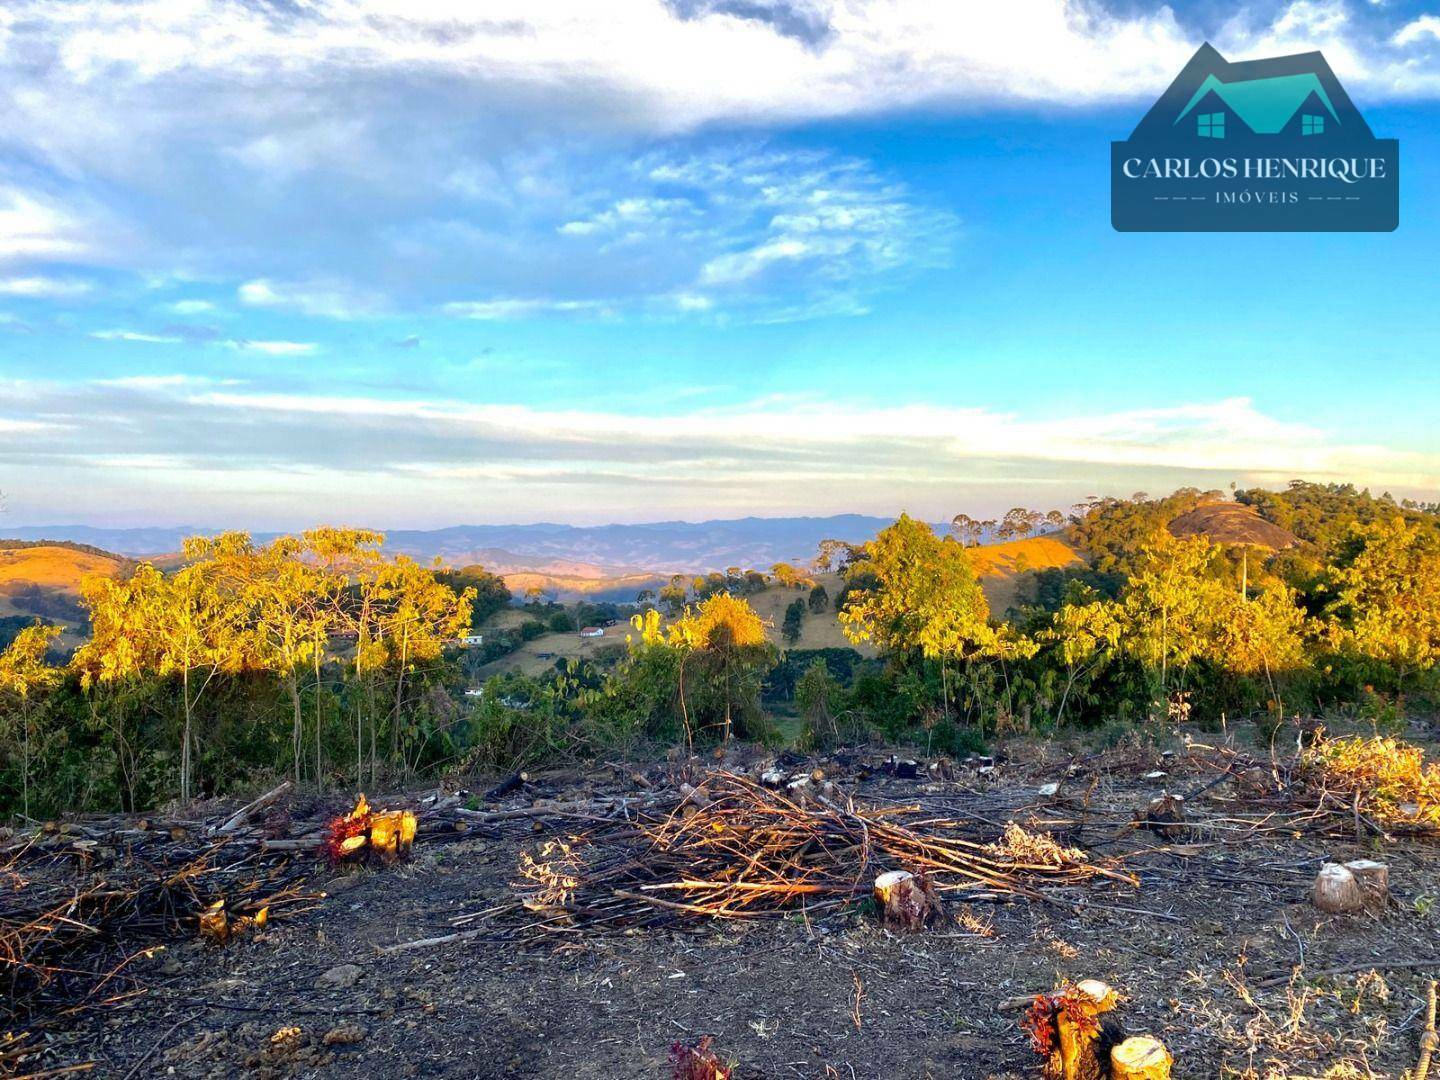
(1218, 951)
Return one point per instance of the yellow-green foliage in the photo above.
(1386, 589)
(926, 598)
(1392, 778)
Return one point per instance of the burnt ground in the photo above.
(1205, 950)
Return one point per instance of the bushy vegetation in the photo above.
(318, 656)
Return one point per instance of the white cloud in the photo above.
(159, 382)
(502, 310)
(42, 287)
(34, 229)
(223, 446)
(132, 335)
(328, 301)
(483, 160)
(1426, 26)
(191, 307)
(275, 348)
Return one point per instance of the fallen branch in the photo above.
(237, 819)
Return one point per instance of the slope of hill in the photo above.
(618, 588)
(999, 566)
(1232, 523)
(44, 580)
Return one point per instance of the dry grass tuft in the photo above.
(1024, 848)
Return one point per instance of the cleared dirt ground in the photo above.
(1207, 950)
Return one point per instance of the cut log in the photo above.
(1336, 891)
(906, 901)
(1374, 881)
(511, 783)
(1140, 1057)
(237, 819)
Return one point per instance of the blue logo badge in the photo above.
(1259, 146)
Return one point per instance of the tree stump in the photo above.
(906, 901)
(1373, 878)
(1065, 1027)
(1336, 891)
(1140, 1057)
(1165, 817)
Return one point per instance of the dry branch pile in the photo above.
(730, 848)
(1386, 780)
(75, 916)
(81, 901)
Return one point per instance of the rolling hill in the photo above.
(997, 565)
(1233, 523)
(43, 581)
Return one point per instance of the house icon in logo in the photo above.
(1258, 145)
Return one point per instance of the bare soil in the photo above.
(1218, 952)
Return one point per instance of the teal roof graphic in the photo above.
(1270, 97)
(1266, 105)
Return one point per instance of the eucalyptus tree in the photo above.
(24, 675)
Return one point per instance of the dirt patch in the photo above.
(1206, 951)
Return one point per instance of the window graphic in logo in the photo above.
(1259, 146)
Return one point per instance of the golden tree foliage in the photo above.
(24, 674)
(1386, 595)
(726, 640)
(283, 608)
(927, 598)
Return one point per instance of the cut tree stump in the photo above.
(1165, 817)
(1140, 1057)
(1336, 891)
(1065, 1027)
(1373, 878)
(906, 901)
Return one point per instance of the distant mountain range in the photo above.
(596, 551)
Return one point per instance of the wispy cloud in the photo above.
(32, 228)
(776, 455)
(133, 335)
(492, 162)
(39, 287)
(327, 300)
(191, 307)
(499, 310)
(275, 348)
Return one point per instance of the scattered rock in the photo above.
(340, 977)
(345, 1035)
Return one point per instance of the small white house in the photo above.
(472, 639)
(593, 631)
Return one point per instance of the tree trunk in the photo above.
(399, 694)
(298, 732)
(1064, 697)
(185, 732)
(319, 761)
(684, 709)
(25, 756)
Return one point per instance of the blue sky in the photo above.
(268, 263)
